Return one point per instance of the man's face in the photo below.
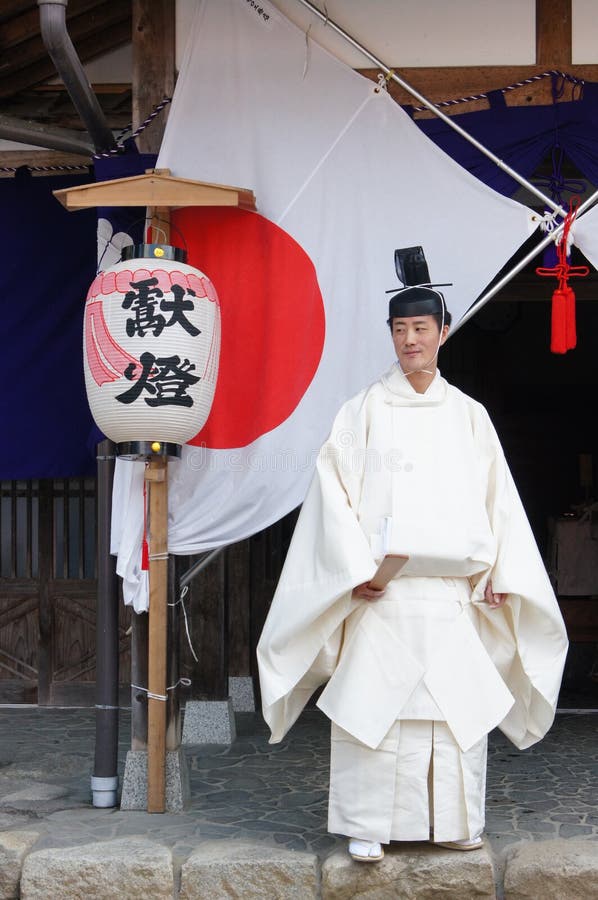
(416, 340)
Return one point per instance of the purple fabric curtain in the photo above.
(523, 137)
(49, 261)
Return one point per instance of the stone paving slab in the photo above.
(274, 795)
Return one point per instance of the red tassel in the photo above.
(570, 318)
(144, 545)
(564, 332)
(558, 338)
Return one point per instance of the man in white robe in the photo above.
(467, 637)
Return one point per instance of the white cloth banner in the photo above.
(336, 164)
(585, 236)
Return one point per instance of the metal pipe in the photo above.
(104, 781)
(199, 566)
(26, 132)
(437, 112)
(56, 39)
(519, 266)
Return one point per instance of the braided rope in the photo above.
(10, 170)
(147, 121)
(510, 87)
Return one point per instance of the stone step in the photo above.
(136, 868)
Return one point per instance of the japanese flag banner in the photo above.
(342, 177)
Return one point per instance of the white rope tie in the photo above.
(549, 221)
(158, 556)
(181, 599)
(382, 83)
(186, 682)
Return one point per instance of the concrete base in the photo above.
(209, 722)
(134, 791)
(240, 688)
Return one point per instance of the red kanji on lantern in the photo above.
(564, 334)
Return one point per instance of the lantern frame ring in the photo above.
(143, 450)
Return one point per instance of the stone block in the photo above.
(127, 869)
(14, 846)
(134, 790)
(242, 695)
(552, 870)
(209, 722)
(411, 872)
(219, 870)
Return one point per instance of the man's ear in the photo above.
(444, 335)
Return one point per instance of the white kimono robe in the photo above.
(422, 475)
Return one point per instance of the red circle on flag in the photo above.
(273, 322)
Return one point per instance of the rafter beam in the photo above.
(12, 129)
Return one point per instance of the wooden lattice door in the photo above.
(48, 592)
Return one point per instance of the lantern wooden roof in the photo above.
(157, 188)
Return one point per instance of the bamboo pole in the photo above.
(157, 479)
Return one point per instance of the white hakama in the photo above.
(418, 781)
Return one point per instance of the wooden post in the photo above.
(153, 65)
(157, 479)
(553, 34)
(153, 79)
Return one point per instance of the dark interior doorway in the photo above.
(544, 409)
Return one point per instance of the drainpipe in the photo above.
(104, 781)
(52, 14)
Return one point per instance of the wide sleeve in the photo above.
(329, 554)
(526, 638)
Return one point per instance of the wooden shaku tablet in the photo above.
(390, 566)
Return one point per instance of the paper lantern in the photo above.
(151, 349)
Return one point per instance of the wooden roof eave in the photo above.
(154, 189)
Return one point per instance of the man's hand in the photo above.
(363, 592)
(495, 600)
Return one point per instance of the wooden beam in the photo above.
(448, 83)
(553, 34)
(11, 8)
(25, 25)
(553, 51)
(153, 66)
(35, 66)
(32, 158)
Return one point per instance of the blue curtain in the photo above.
(49, 261)
(522, 137)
